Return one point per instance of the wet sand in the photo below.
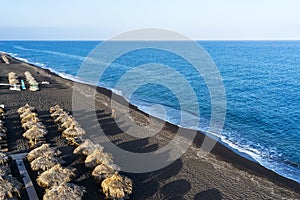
(222, 174)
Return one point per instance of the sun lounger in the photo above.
(15, 88)
(45, 83)
(34, 88)
(23, 85)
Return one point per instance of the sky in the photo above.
(196, 19)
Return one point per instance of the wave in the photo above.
(24, 60)
(7, 53)
(72, 78)
(118, 92)
(258, 156)
(81, 58)
(13, 55)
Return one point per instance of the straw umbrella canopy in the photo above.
(3, 159)
(55, 176)
(116, 186)
(96, 158)
(66, 191)
(43, 150)
(43, 163)
(87, 147)
(9, 187)
(73, 132)
(104, 170)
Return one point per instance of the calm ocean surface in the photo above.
(261, 79)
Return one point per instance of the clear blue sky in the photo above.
(197, 19)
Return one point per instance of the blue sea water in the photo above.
(261, 79)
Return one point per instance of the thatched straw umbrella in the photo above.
(62, 118)
(31, 120)
(86, 144)
(66, 191)
(12, 75)
(9, 188)
(26, 112)
(43, 150)
(1, 124)
(34, 134)
(44, 163)
(70, 123)
(29, 117)
(34, 122)
(57, 113)
(104, 170)
(55, 176)
(4, 171)
(31, 80)
(2, 111)
(13, 78)
(2, 127)
(2, 136)
(96, 158)
(24, 108)
(3, 159)
(54, 108)
(73, 132)
(116, 186)
(87, 147)
(3, 131)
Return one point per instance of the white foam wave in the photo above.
(11, 54)
(118, 92)
(22, 59)
(71, 77)
(42, 65)
(81, 58)
(243, 150)
(4, 52)
(256, 155)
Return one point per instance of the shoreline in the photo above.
(225, 143)
(108, 92)
(221, 151)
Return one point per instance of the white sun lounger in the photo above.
(15, 87)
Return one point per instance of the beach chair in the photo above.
(15, 87)
(34, 88)
(23, 85)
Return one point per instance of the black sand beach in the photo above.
(222, 174)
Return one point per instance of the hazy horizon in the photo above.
(198, 20)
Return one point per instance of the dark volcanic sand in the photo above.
(220, 175)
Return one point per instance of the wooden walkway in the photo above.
(25, 176)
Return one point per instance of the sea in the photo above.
(261, 81)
